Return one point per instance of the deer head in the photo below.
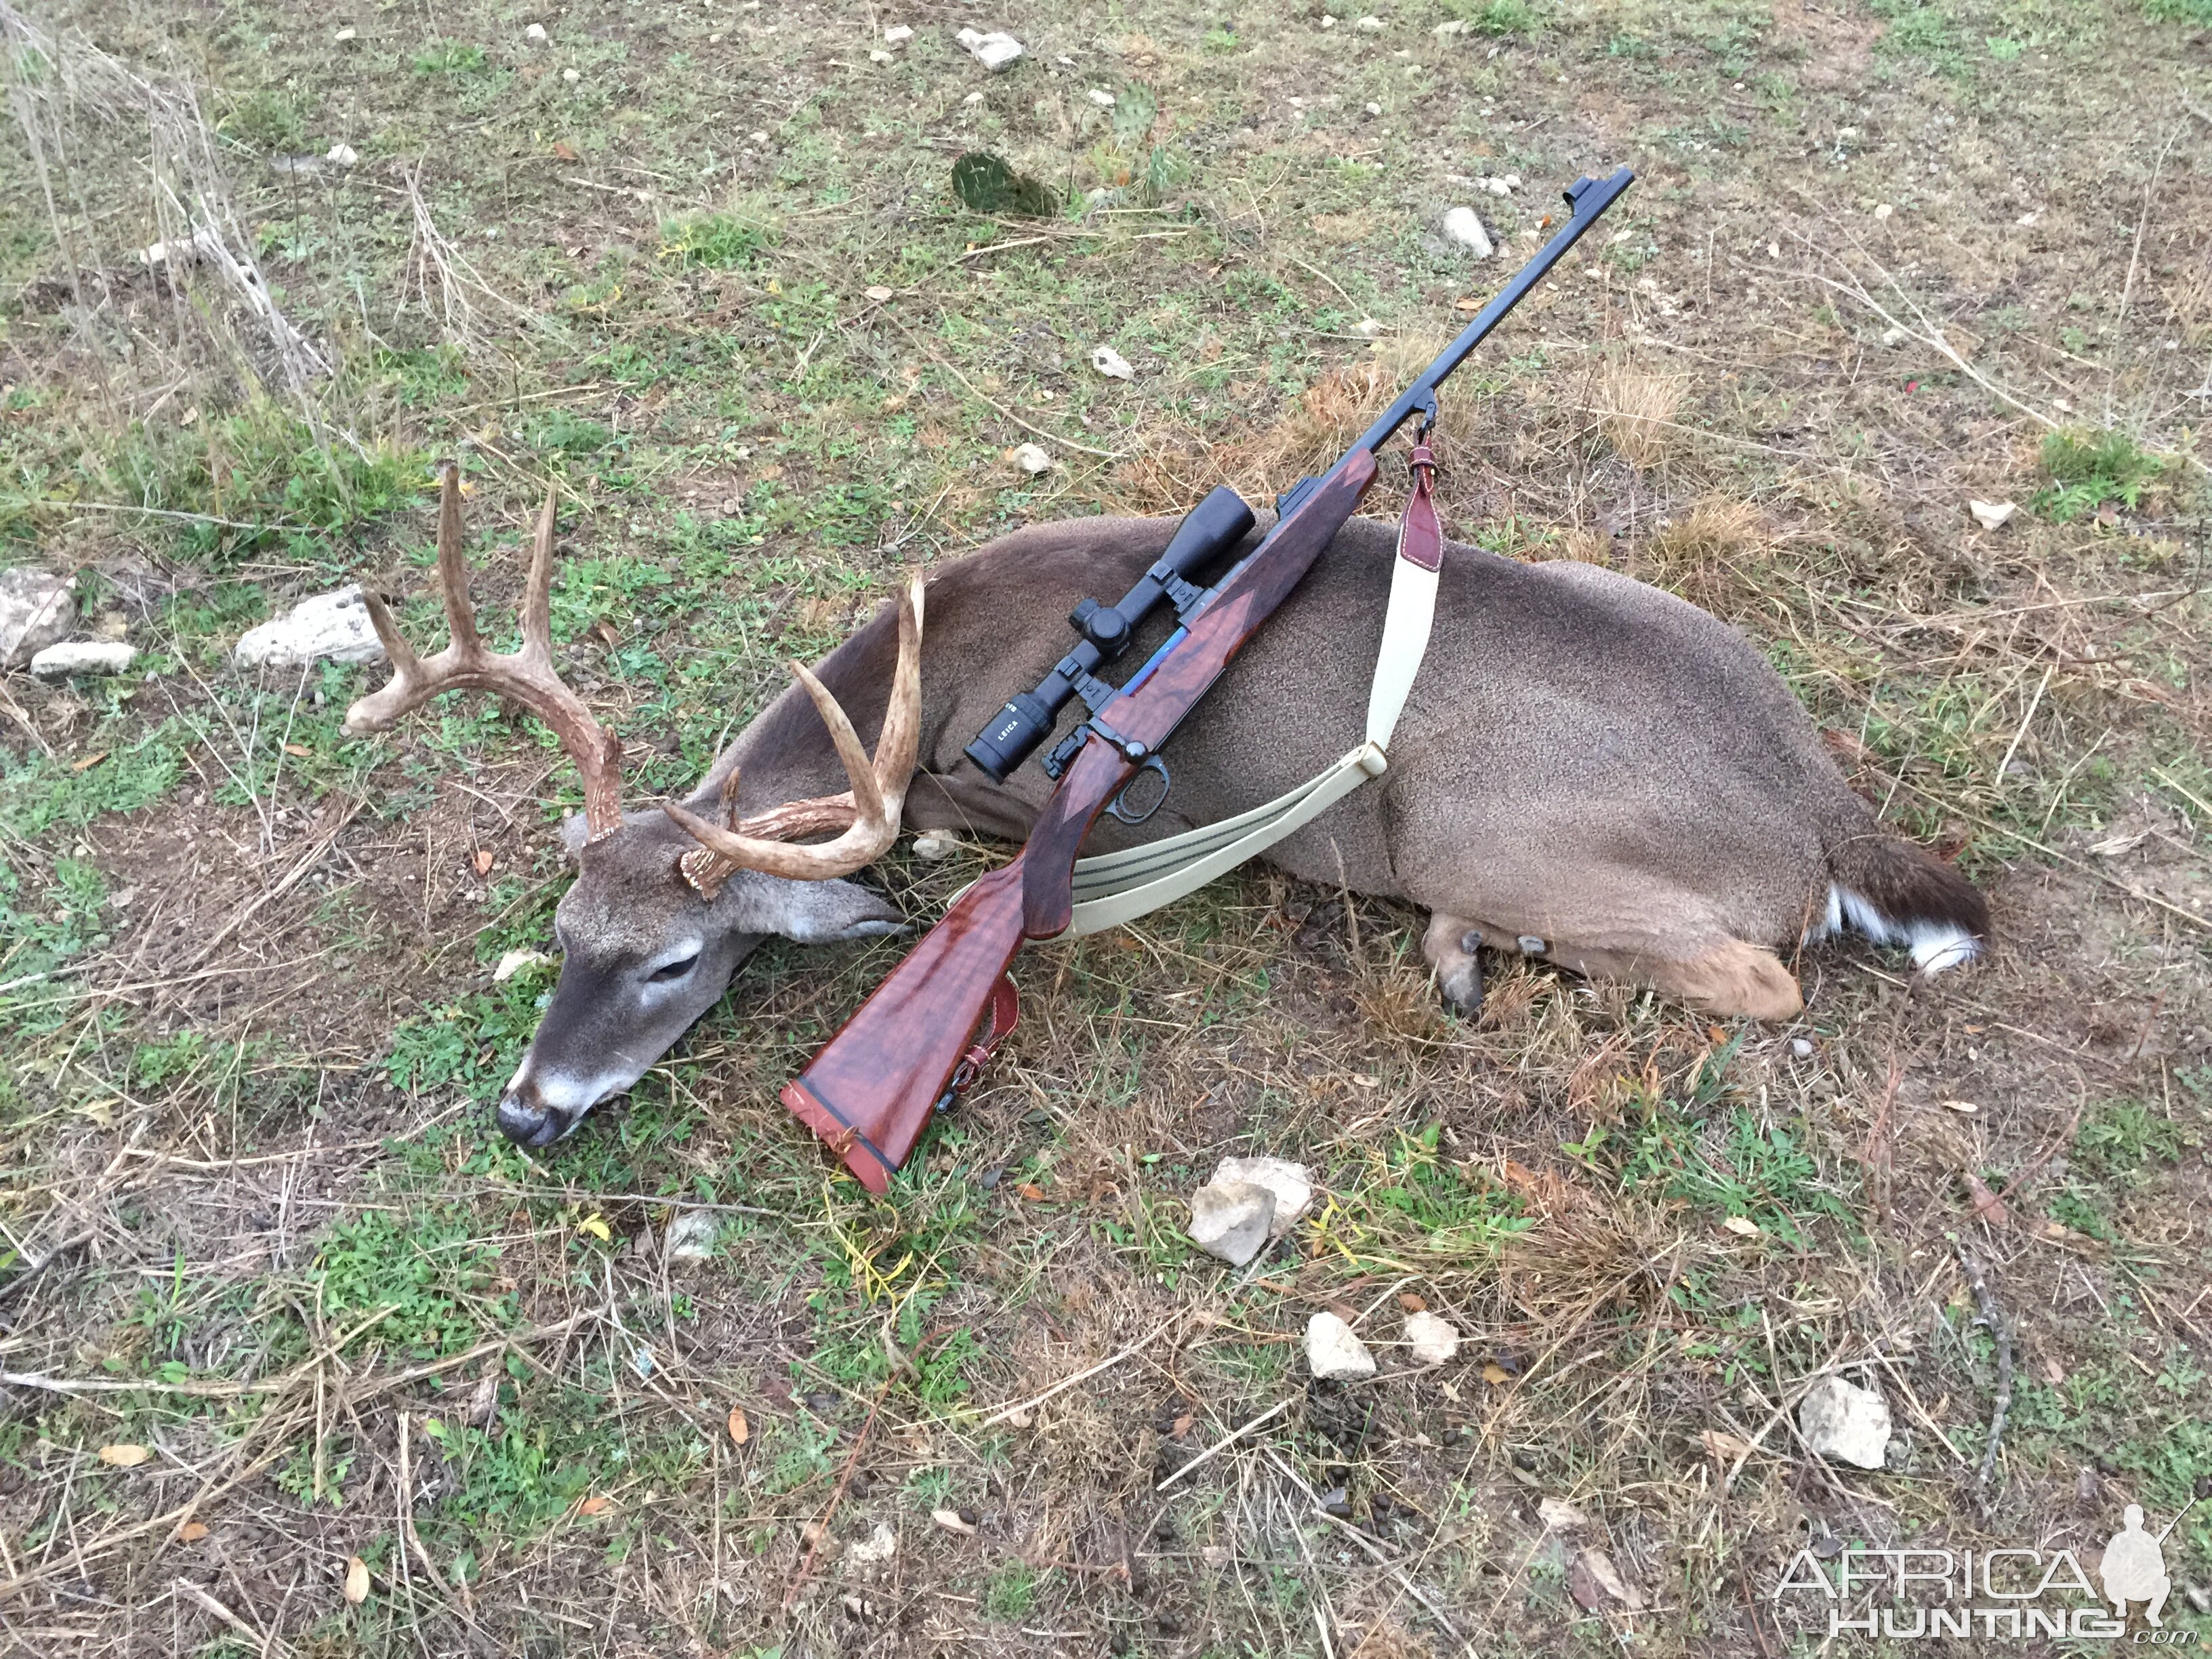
(666, 903)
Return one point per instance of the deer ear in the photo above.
(575, 834)
(810, 912)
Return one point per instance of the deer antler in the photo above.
(525, 676)
(867, 814)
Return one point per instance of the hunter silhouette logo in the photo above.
(2135, 1568)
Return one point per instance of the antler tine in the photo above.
(537, 617)
(869, 815)
(453, 568)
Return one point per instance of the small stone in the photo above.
(878, 294)
(2199, 1598)
(1374, 108)
(37, 610)
(1802, 1047)
(1111, 363)
(1512, 181)
(1843, 1422)
(332, 626)
(971, 101)
(1432, 1340)
(1530, 945)
(1367, 328)
(341, 154)
(1290, 1183)
(993, 51)
(935, 845)
(346, 36)
(535, 35)
(878, 1548)
(514, 961)
(1228, 1219)
(880, 56)
(1033, 459)
(1884, 212)
(691, 1237)
(572, 75)
(1101, 97)
(1464, 229)
(58, 662)
(1992, 515)
(1327, 22)
(897, 35)
(1334, 1352)
(1497, 186)
(1372, 25)
(816, 1538)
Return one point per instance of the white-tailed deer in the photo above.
(1589, 769)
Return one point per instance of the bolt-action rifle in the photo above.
(914, 1044)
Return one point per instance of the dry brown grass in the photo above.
(1708, 554)
(1636, 408)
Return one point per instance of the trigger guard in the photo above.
(1116, 809)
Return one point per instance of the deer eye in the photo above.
(670, 971)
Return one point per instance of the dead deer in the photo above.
(1589, 770)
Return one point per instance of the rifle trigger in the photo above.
(1119, 806)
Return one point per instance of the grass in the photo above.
(312, 1260)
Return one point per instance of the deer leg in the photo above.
(1449, 946)
(1730, 978)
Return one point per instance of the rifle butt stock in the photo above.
(871, 1090)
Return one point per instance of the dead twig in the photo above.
(1988, 1313)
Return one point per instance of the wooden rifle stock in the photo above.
(870, 1092)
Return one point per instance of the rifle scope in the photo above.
(1208, 531)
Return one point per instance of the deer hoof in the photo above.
(1461, 984)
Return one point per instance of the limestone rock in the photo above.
(993, 51)
(335, 626)
(1228, 1219)
(1844, 1423)
(1111, 363)
(878, 1548)
(1992, 515)
(1033, 459)
(691, 1237)
(58, 662)
(37, 610)
(1464, 228)
(1432, 1340)
(1334, 1352)
(1290, 1183)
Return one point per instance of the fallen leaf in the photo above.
(740, 1430)
(1560, 1516)
(2118, 846)
(1742, 1225)
(2053, 1372)
(356, 1580)
(598, 1229)
(1413, 1303)
(483, 860)
(598, 1504)
(1020, 1418)
(1599, 1565)
(191, 1532)
(1965, 1108)
(564, 152)
(950, 1521)
(605, 630)
(878, 294)
(1031, 1190)
(125, 1457)
(1182, 1426)
(1111, 363)
(1494, 1374)
(1716, 1035)
(1726, 1447)
(88, 761)
(298, 748)
(1992, 515)
(1989, 1208)
(485, 1401)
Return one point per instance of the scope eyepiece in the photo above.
(1008, 740)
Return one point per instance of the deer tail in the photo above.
(1895, 894)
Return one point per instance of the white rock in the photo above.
(342, 154)
(1802, 1047)
(1445, 31)
(1101, 97)
(1334, 1352)
(897, 35)
(691, 1237)
(756, 137)
(971, 101)
(1291, 1183)
(58, 662)
(37, 609)
(1992, 515)
(878, 294)
(335, 626)
(1372, 25)
(571, 76)
(535, 35)
(1464, 229)
(1498, 187)
(1228, 1219)
(932, 845)
(993, 51)
(1111, 363)
(1512, 181)
(514, 961)
(1884, 212)
(880, 56)
(1843, 1422)
(1432, 1340)
(1374, 108)
(1033, 458)
(1367, 328)
(346, 36)
(878, 1548)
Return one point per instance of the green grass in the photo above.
(2089, 468)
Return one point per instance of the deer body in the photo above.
(1588, 768)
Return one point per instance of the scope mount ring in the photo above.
(1115, 808)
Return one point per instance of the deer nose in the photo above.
(526, 1123)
